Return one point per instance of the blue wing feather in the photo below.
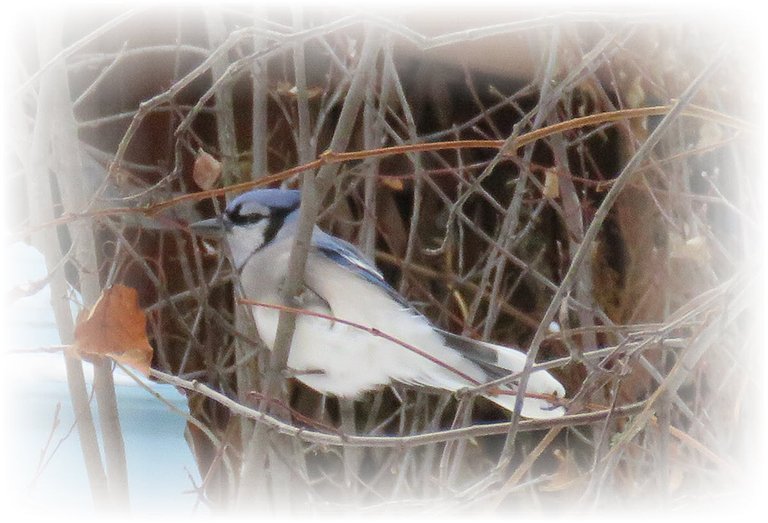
(349, 257)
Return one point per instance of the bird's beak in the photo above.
(213, 228)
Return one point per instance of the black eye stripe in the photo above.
(277, 217)
(237, 218)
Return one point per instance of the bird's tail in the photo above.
(533, 407)
(542, 391)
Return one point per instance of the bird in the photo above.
(359, 333)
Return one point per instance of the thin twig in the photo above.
(594, 227)
(321, 438)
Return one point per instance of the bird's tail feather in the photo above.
(542, 389)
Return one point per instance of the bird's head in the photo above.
(253, 221)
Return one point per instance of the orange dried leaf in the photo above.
(206, 170)
(290, 90)
(116, 327)
(394, 183)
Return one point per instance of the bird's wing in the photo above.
(484, 354)
(310, 300)
(470, 356)
(349, 257)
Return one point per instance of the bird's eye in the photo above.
(236, 216)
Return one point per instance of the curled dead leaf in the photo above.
(290, 90)
(116, 327)
(393, 182)
(694, 249)
(206, 170)
(551, 184)
(710, 135)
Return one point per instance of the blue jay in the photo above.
(338, 357)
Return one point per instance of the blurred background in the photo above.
(124, 125)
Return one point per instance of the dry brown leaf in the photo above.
(206, 171)
(551, 184)
(695, 249)
(116, 327)
(288, 89)
(710, 135)
(124, 179)
(394, 183)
